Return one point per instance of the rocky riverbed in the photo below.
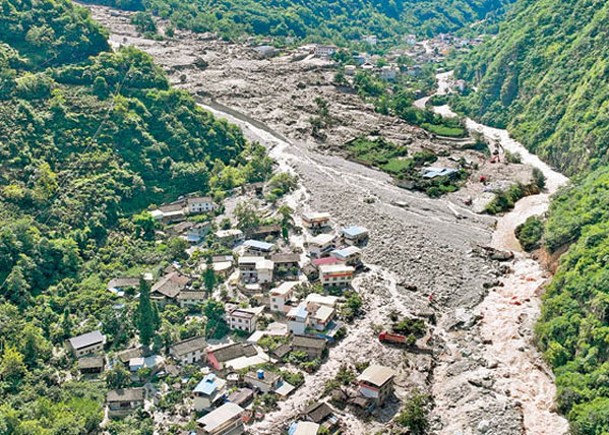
(418, 247)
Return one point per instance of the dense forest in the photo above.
(544, 78)
(338, 21)
(90, 138)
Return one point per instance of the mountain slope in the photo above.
(335, 20)
(544, 78)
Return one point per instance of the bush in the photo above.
(529, 233)
(414, 413)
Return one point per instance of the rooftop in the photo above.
(322, 239)
(125, 395)
(316, 216)
(228, 233)
(323, 313)
(233, 351)
(241, 396)
(196, 199)
(265, 264)
(354, 231)
(299, 312)
(170, 285)
(303, 428)
(91, 362)
(347, 252)
(284, 288)
(218, 417)
(326, 260)
(376, 375)
(335, 268)
(315, 298)
(306, 341)
(189, 346)
(256, 244)
(194, 295)
(285, 258)
(247, 313)
(86, 340)
(438, 172)
(209, 385)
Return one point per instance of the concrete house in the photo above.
(376, 383)
(298, 319)
(320, 316)
(123, 401)
(279, 296)
(389, 73)
(336, 275)
(354, 236)
(189, 351)
(226, 420)
(322, 245)
(191, 298)
(86, 344)
(208, 392)
(322, 414)
(312, 346)
(325, 50)
(351, 255)
(265, 382)
(258, 248)
(245, 319)
(200, 204)
(303, 428)
(221, 356)
(285, 262)
(317, 299)
(197, 232)
(92, 365)
(229, 238)
(256, 269)
(316, 221)
(264, 271)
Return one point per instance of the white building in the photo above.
(189, 351)
(264, 270)
(322, 245)
(351, 256)
(370, 39)
(89, 343)
(325, 50)
(389, 72)
(297, 319)
(203, 204)
(226, 420)
(315, 221)
(336, 275)
(281, 295)
(209, 391)
(320, 317)
(245, 319)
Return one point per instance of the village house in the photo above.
(351, 255)
(274, 329)
(189, 351)
(220, 357)
(316, 221)
(431, 172)
(85, 344)
(168, 287)
(317, 299)
(266, 51)
(154, 363)
(126, 355)
(258, 248)
(265, 231)
(265, 382)
(313, 346)
(389, 73)
(222, 264)
(376, 383)
(286, 264)
(225, 420)
(350, 70)
(303, 428)
(354, 236)
(280, 296)
(208, 392)
(325, 50)
(336, 275)
(245, 319)
(200, 204)
(197, 232)
(320, 316)
(369, 39)
(317, 262)
(180, 228)
(124, 401)
(92, 365)
(321, 413)
(322, 245)
(169, 213)
(241, 397)
(229, 238)
(187, 299)
(256, 269)
(118, 286)
(298, 318)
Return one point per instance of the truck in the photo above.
(388, 337)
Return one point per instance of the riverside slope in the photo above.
(416, 249)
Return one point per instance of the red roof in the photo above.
(327, 260)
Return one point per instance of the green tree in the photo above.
(216, 326)
(147, 318)
(209, 276)
(117, 377)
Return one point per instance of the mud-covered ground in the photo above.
(418, 246)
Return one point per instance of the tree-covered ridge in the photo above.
(334, 20)
(87, 141)
(544, 78)
(50, 32)
(574, 327)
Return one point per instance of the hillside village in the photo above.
(274, 293)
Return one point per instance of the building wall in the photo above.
(88, 350)
(297, 328)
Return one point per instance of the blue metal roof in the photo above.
(354, 231)
(208, 385)
(438, 172)
(263, 246)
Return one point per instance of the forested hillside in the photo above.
(85, 142)
(338, 21)
(544, 77)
